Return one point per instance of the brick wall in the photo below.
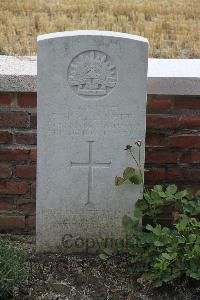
(17, 162)
(172, 151)
(173, 141)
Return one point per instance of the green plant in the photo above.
(156, 253)
(14, 268)
(130, 175)
(162, 253)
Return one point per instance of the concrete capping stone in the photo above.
(174, 76)
(165, 76)
(18, 73)
(72, 33)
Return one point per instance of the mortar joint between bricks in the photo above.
(15, 203)
(17, 147)
(14, 129)
(14, 101)
(28, 110)
(24, 130)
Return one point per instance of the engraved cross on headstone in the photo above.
(90, 165)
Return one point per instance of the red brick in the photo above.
(162, 121)
(5, 137)
(33, 154)
(156, 139)
(13, 188)
(5, 100)
(154, 174)
(26, 171)
(174, 174)
(26, 138)
(190, 157)
(27, 100)
(5, 170)
(184, 141)
(30, 222)
(11, 223)
(25, 205)
(183, 174)
(155, 104)
(6, 204)
(191, 121)
(14, 154)
(33, 190)
(186, 103)
(161, 157)
(33, 121)
(14, 119)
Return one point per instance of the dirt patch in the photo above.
(78, 277)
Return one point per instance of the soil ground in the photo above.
(78, 277)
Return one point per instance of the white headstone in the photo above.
(91, 104)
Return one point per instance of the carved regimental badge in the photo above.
(92, 73)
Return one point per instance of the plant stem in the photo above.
(139, 166)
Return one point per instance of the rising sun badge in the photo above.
(92, 73)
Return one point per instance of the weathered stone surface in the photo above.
(165, 76)
(91, 104)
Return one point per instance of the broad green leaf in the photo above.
(138, 212)
(155, 198)
(166, 256)
(171, 189)
(158, 188)
(158, 283)
(161, 194)
(194, 222)
(149, 227)
(157, 230)
(136, 179)
(196, 250)
(165, 230)
(136, 222)
(157, 265)
(107, 251)
(197, 195)
(194, 275)
(192, 237)
(198, 240)
(173, 255)
(127, 181)
(181, 240)
(158, 244)
(103, 256)
(147, 197)
(141, 204)
(191, 207)
(128, 172)
(181, 226)
(127, 222)
(181, 194)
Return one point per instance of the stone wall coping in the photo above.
(165, 76)
(91, 33)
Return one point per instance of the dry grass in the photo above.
(172, 26)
